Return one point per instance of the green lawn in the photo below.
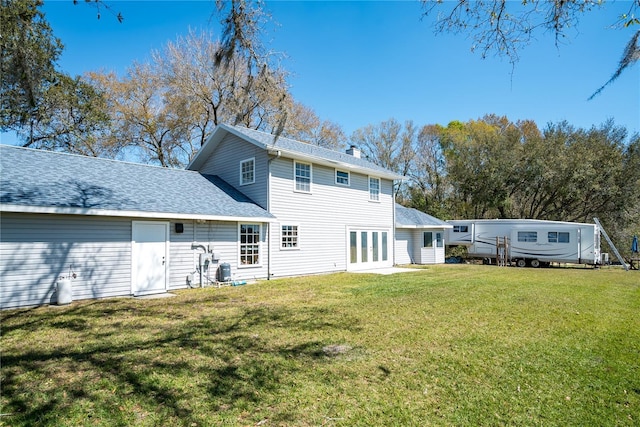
(448, 345)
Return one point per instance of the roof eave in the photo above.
(421, 226)
(127, 213)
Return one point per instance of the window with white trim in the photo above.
(289, 237)
(427, 239)
(248, 171)
(302, 173)
(342, 177)
(249, 244)
(460, 228)
(374, 189)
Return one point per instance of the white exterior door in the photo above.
(368, 249)
(150, 241)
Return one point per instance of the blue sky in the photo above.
(359, 63)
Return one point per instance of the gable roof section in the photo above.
(413, 218)
(290, 148)
(49, 182)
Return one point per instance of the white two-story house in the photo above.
(334, 211)
(249, 206)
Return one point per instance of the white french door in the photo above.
(368, 249)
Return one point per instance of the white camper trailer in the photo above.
(526, 241)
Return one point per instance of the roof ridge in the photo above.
(272, 136)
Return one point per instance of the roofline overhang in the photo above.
(130, 214)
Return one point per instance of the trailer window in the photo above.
(527, 236)
(558, 237)
(460, 228)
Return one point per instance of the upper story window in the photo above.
(558, 237)
(342, 177)
(374, 189)
(248, 171)
(460, 228)
(527, 236)
(303, 177)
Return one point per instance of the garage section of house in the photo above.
(114, 228)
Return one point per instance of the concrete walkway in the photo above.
(389, 270)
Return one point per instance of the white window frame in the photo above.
(374, 197)
(295, 177)
(255, 246)
(296, 237)
(345, 184)
(427, 243)
(253, 171)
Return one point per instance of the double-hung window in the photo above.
(303, 177)
(374, 189)
(249, 244)
(248, 171)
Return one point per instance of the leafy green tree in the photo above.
(480, 165)
(46, 108)
(73, 118)
(29, 54)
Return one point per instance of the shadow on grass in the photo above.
(126, 363)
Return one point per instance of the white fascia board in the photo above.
(131, 214)
(424, 227)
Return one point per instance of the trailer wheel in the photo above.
(535, 263)
(521, 263)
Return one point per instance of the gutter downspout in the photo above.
(273, 156)
(393, 226)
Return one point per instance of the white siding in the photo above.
(222, 238)
(182, 259)
(409, 248)
(36, 249)
(323, 217)
(404, 248)
(225, 162)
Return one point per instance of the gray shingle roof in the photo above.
(76, 184)
(413, 218)
(290, 146)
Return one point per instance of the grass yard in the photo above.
(448, 345)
